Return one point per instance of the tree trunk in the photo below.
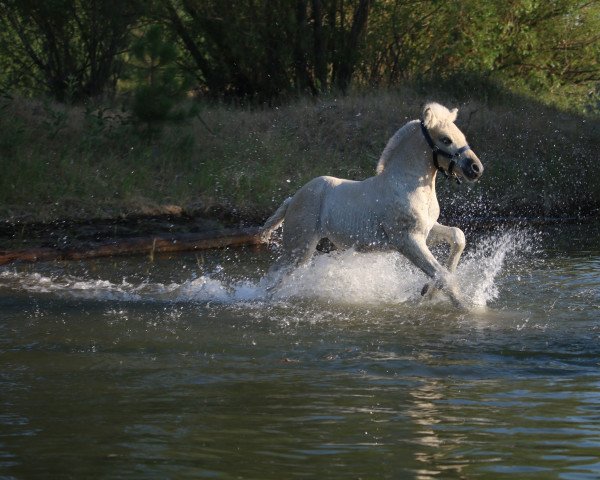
(141, 245)
(302, 78)
(190, 45)
(319, 46)
(350, 54)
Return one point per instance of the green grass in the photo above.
(71, 162)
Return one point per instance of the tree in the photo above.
(530, 44)
(265, 49)
(67, 48)
(160, 86)
(349, 52)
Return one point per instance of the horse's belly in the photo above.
(361, 244)
(362, 233)
(352, 215)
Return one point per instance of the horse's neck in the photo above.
(410, 164)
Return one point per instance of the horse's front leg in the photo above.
(414, 247)
(455, 238)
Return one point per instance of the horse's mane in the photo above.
(392, 144)
(433, 114)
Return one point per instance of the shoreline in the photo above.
(79, 234)
(241, 170)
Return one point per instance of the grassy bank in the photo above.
(75, 162)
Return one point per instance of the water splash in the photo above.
(346, 277)
(478, 272)
(354, 278)
(204, 288)
(71, 286)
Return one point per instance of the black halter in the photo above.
(438, 151)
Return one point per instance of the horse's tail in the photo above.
(274, 221)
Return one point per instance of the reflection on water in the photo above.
(184, 368)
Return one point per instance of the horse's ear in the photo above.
(429, 118)
(453, 115)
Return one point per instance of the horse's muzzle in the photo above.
(472, 167)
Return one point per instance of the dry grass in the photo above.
(74, 162)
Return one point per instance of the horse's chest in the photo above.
(423, 204)
(434, 210)
(420, 210)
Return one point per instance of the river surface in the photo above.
(186, 368)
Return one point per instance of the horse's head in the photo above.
(449, 143)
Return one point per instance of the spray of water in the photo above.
(346, 277)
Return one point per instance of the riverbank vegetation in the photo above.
(82, 162)
(185, 106)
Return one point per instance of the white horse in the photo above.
(396, 209)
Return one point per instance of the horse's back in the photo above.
(321, 193)
(313, 193)
(326, 182)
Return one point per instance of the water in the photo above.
(184, 368)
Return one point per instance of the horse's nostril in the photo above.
(475, 168)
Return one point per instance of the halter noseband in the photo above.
(438, 151)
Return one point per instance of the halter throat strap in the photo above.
(438, 151)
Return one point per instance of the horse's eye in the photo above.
(446, 141)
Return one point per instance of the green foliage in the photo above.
(266, 51)
(549, 49)
(83, 156)
(69, 49)
(55, 119)
(539, 161)
(159, 85)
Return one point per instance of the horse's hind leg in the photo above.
(301, 231)
(294, 255)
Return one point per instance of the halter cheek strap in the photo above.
(438, 151)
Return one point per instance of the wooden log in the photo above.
(183, 242)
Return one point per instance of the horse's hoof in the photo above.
(460, 305)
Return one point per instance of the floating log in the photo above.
(157, 244)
